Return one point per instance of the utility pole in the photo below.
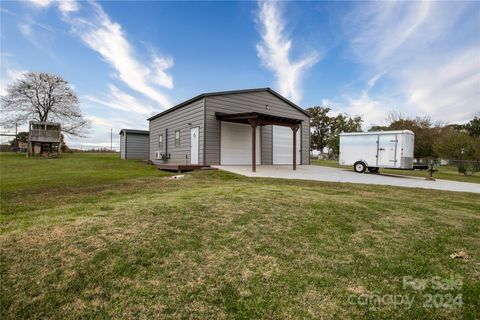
(16, 136)
(111, 139)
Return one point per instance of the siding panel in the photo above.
(267, 155)
(178, 120)
(137, 146)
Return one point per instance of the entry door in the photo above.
(387, 144)
(283, 145)
(194, 140)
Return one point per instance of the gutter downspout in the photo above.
(166, 144)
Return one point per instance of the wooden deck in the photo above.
(181, 167)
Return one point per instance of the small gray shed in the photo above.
(134, 144)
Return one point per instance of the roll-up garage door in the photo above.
(236, 144)
(283, 145)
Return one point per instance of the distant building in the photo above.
(44, 137)
(22, 146)
(134, 144)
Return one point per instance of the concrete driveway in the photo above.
(343, 175)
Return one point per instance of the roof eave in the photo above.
(134, 131)
(178, 106)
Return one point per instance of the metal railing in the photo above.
(45, 135)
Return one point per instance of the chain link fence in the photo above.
(467, 167)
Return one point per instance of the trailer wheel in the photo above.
(359, 167)
(373, 169)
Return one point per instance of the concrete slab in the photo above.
(319, 173)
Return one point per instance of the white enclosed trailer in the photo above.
(373, 150)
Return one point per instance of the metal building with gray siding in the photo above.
(134, 144)
(216, 129)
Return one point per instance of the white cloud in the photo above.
(105, 129)
(159, 75)
(65, 6)
(116, 108)
(41, 3)
(95, 28)
(373, 111)
(428, 53)
(68, 6)
(113, 122)
(275, 48)
(448, 90)
(110, 122)
(379, 30)
(25, 29)
(106, 37)
(39, 34)
(116, 122)
(373, 80)
(124, 111)
(119, 100)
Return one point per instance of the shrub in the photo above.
(462, 168)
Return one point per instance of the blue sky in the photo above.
(129, 60)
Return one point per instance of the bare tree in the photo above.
(42, 96)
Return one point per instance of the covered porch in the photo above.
(256, 119)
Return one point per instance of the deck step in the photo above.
(181, 167)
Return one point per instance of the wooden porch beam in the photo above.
(294, 131)
(254, 124)
(274, 123)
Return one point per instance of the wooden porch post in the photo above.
(254, 124)
(294, 131)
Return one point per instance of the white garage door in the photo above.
(283, 145)
(236, 144)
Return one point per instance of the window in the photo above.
(177, 138)
(160, 141)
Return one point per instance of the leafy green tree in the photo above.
(342, 123)
(320, 124)
(454, 144)
(476, 148)
(325, 128)
(378, 128)
(473, 127)
(21, 137)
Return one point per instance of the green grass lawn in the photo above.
(444, 172)
(92, 236)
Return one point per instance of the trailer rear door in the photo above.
(387, 149)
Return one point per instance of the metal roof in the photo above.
(219, 93)
(145, 132)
